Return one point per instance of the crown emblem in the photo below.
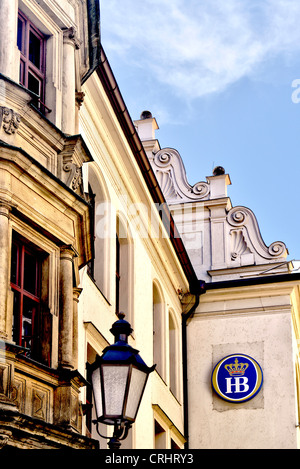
(236, 368)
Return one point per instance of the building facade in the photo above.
(85, 233)
(249, 306)
(96, 219)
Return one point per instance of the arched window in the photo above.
(98, 268)
(124, 271)
(158, 331)
(173, 355)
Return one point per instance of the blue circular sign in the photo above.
(237, 378)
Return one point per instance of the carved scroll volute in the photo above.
(170, 171)
(245, 220)
(74, 179)
(71, 159)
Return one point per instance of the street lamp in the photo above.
(119, 378)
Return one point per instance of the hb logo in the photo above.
(239, 385)
(237, 370)
(237, 378)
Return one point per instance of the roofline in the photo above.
(113, 92)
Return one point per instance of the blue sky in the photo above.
(220, 76)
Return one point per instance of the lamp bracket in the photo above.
(121, 430)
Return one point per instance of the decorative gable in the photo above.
(223, 242)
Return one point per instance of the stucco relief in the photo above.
(9, 120)
(246, 237)
(238, 244)
(170, 172)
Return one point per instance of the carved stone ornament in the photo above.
(238, 244)
(170, 172)
(75, 177)
(71, 37)
(248, 236)
(71, 159)
(9, 120)
(4, 438)
(79, 96)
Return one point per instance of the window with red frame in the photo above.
(26, 266)
(32, 46)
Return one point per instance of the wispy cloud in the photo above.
(198, 47)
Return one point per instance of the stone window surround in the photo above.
(50, 285)
(25, 65)
(54, 31)
(18, 285)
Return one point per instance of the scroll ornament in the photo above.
(244, 219)
(75, 175)
(171, 175)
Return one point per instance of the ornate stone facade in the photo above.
(43, 210)
(249, 305)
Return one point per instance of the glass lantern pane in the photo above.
(136, 387)
(96, 382)
(115, 380)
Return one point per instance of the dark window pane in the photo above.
(30, 273)
(34, 84)
(20, 34)
(34, 50)
(14, 264)
(29, 310)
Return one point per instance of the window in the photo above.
(32, 46)
(90, 197)
(100, 212)
(173, 359)
(158, 331)
(124, 272)
(26, 264)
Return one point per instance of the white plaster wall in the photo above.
(268, 420)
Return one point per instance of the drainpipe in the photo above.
(185, 317)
